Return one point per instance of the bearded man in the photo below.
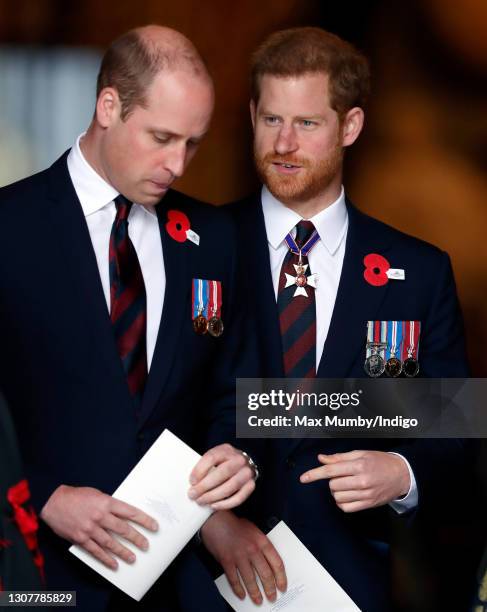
(309, 89)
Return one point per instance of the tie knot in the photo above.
(304, 229)
(123, 207)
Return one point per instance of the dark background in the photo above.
(419, 165)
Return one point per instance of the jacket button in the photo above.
(140, 437)
(290, 463)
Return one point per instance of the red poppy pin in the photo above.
(378, 270)
(179, 227)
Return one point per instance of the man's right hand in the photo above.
(86, 516)
(237, 544)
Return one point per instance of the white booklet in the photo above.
(310, 586)
(159, 486)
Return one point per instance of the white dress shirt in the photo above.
(96, 197)
(325, 260)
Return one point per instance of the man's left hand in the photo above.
(222, 478)
(362, 479)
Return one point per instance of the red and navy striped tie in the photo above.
(297, 315)
(128, 309)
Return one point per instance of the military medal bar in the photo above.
(410, 350)
(215, 323)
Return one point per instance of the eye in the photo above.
(161, 138)
(307, 123)
(271, 120)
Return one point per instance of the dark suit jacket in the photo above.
(346, 544)
(59, 364)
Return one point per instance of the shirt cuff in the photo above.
(410, 500)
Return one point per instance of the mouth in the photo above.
(160, 186)
(286, 168)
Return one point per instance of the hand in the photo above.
(362, 479)
(237, 544)
(86, 516)
(222, 478)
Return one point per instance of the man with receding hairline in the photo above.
(100, 347)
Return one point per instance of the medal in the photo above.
(215, 327)
(200, 325)
(301, 280)
(394, 365)
(374, 365)
(200, 302)
(410, 365)
(215, 324)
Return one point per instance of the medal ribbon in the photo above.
(411, 339)
(200, 297)
(310, 243)
(394, 333)
(376, 334)
(215, 301)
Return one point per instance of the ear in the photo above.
(108, 107)
(252, 113)
(352, 126)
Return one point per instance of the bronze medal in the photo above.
(410, 367)
(200, 325)
(393, 367)
(215, 326)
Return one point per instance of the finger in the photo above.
(213, 457)
(235, 500)
(248, 576)
(349, 483)
(234, 580)
(219, 475)
(125, 530)
(228, 488)
(109, 543)
(98, 552)
(126, 511)
(355, 506)
(342, 497)
(266, 575)
(277, 565)
(344, 468)
(337, 457)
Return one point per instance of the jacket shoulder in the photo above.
(23, 192)
(396, 238)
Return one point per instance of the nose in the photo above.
(286, 140)
(175, 159)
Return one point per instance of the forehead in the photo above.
(179, 96)
(307, 94)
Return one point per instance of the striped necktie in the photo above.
(297, 315)
(128, 310)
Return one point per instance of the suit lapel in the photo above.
(67, 228)
(356, 299)
(261, 286)
(177, 288)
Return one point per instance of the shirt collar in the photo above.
(331, 223)
(93, 192)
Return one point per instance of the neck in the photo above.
(90, 147)
(312, 206)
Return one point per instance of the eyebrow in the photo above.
(299, 117)
(176, 135)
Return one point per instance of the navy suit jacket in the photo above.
(59, 365)
(346, 544)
